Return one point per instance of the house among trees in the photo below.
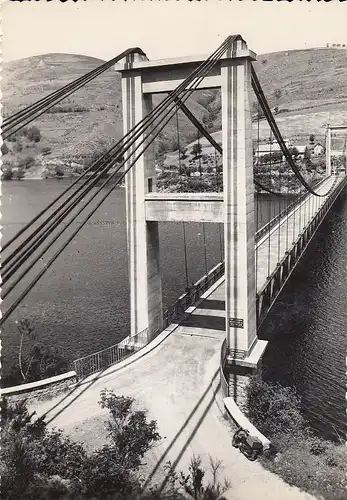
(315, 150)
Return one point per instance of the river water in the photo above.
(81, 305)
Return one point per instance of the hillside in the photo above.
(307, 86)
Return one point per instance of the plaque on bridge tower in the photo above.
(236, 322)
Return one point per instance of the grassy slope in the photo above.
(312, 83)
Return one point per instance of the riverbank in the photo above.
(303, 459)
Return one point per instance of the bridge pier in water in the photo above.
(232, 75)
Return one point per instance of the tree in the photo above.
(4, 149)
(278, 94)
(41, 361)
(34, 134)
(19, 174)
(7, 174)
(186, 170)
(26, 162)
(17, 148)
(196, 150)
(183, 152)
(58, 171)
(294, 152)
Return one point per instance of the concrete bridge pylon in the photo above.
(141, 79)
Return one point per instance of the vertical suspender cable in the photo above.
(221, 242)
(257, 194)
(199, 153)
(288, 204)
(185, 255)
(183, 223)
(205, 250)
(216, 169)
(279, 210)
(269, 210)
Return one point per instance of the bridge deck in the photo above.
(273, 245)
(209, 316)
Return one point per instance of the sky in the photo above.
(167, 28)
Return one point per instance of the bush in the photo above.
(130, 433)
(303, 459)
(273, 408)
(42, 464)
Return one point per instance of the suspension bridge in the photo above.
(171, 359)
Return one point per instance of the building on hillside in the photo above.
(301, 149)
(315, 150)
(318, 149)
(268, 148)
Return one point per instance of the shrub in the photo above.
(304, 460)
(273, 408)
(40, 463)
(130, 433)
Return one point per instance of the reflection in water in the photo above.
(81, 305)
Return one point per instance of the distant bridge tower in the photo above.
(328, 151)
(235, 208)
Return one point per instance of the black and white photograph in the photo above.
(173, 250)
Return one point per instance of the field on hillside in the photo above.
(307, 87)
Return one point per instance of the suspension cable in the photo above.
(29, 113)
(14, 305)
(206, 65)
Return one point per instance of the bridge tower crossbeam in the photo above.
(141, 79)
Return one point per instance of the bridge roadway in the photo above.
(176, 378)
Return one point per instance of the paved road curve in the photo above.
(177, 381)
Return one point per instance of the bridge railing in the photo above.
(176, 311)
(105, 358)
(269, 225)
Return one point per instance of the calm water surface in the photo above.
(81, 304)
